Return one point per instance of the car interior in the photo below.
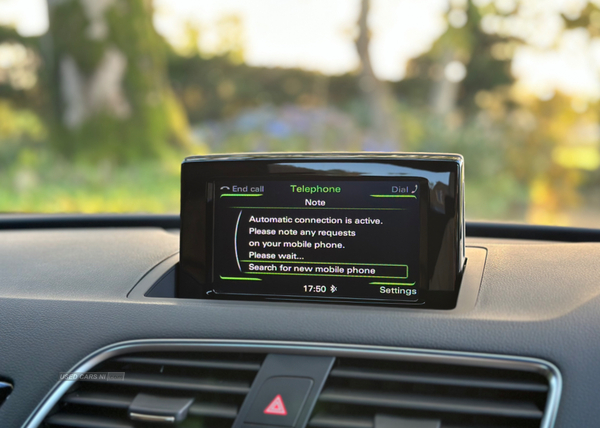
(244, 278)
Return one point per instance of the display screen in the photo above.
(325, 239)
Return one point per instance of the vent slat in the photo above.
(443, 404)
(78, 421)
(213, 410)
(99, 399)
(205, 364)
(324, 420)
(438, 379)
(172, 382)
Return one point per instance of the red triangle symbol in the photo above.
(276, 407)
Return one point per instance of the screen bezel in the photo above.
(442, 258)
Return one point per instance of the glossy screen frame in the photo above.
(444, 211)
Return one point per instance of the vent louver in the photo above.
(358, 391)
(218, 383)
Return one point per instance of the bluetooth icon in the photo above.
(333, 288)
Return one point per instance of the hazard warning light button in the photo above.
(277, 407)
(279, 401)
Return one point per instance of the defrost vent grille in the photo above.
(214, 383)
(360, 392)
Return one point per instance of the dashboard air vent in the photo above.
(363, 393)
(112, 393)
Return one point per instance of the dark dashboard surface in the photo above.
(63, 295)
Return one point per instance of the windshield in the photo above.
(101, 100)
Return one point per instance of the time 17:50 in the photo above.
(315, 288)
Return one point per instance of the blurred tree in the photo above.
(217, 88)
(459, 65)
(378, 96)
(19, 71)
(231, 38)
(107, 72)
(554, 145)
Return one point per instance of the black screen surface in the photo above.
(351, 239)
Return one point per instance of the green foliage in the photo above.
(215, 87)
(523, 155)
(68, 27)
(9, 34)
(155, 123)
(468, 45)
(287, 128)
(35, 178)
(39, 180)
(32, 98)
(19, 126)
(493, 191)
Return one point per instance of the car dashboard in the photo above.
(77, 292)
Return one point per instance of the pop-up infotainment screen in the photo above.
(366, 228)
(352, 239)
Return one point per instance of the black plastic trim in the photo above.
(73, 221)
(532, 232)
